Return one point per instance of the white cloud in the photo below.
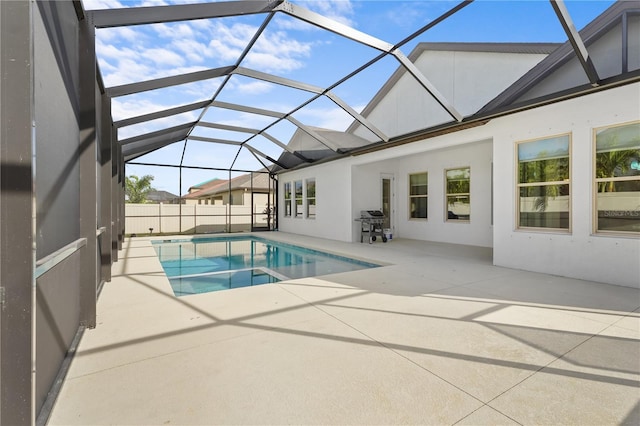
(101, 4)
(327, 118)
(253, 88)
(193, 50)
(118, 33)
(276, 51)
(163, 57)
(338, 10)
(172, 31)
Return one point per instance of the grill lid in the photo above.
(371, 214)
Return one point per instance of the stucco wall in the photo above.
(349, 185)
(333, 202)
(408, 106)
(580, 253)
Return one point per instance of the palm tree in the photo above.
(613, 163)
(137, 189)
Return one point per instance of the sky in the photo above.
(294, 50)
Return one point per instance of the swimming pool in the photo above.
(203, 265)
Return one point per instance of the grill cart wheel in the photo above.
(384, 239)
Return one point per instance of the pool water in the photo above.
(211, 264)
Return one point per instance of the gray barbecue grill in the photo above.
(371, 223)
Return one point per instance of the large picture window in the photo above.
(298, 189)
(544, 183)
(418, 192)
(287, 199)
(617, 178)
(458, 194)
(311, 198)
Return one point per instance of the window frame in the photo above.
(307, 198)
(411, 197)
(287, 200)
(447, 195)
(595, 181)
(298, 213)
(568, 182)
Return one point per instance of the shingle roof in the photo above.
(260, 182)
(589, 34)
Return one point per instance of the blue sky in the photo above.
(295, 50)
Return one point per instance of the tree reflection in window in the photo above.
(458, 194)
(617, 178)
(544, 183)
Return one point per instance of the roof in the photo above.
(207, 184)
(421, 48)
(561, 56)
(261, 181)
(159, 196)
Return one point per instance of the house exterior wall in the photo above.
(346, 186)
(580, 253)
(477, 231)
(408, 106)
(334, 217)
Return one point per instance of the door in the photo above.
(388, 199)
(262, 211)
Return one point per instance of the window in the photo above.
(617, 180)
(298, 188)
(458, 194)
(311, 198)
(544, 183)
(418, 192)
(287, 199)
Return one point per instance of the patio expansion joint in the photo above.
(395, 352)
(252, 331)
(543, 367)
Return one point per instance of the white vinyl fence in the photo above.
(194, 219)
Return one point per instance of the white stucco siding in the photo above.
(468, 80)
(406, 108)
(333, 202)
(478, 230)
(471, 79)
(346, 186)
(366, 189)
(579, 253)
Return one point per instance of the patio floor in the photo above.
(440, 336)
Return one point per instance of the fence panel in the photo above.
(192, 218)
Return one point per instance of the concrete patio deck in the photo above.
(438, 337)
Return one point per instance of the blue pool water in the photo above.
(219, 263)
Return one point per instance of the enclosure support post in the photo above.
(88, 173)
(17, 215)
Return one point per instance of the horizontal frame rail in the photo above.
(49, 262)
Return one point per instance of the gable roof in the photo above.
(260, 182)
(161, 196)
(207, 184)
(507, 102)
(521, 48)
(564, 54)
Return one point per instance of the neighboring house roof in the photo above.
(260, 183)
(161, 196)
(206, 184)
